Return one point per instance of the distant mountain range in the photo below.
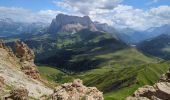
(158, 46)
(66, 30)
(8, 27)
(73, 24)
(132, 36)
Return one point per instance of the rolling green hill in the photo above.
(146, 75)
(106, 77)
(83, 52)
(119, 76)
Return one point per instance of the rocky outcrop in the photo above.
(160, 91)
(71, 24)
(76, 91)
(2, 45)
(26, 57)
(17, 94)
(15, 70)
(1, 82)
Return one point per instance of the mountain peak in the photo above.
(70, 24)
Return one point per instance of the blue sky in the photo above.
(36, 5)
(136, 14)
(146, 4)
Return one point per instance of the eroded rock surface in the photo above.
(1, 81)
(13, 75)
(160, 91)
(26, 56)
(2, 45)
(17, 94)
(76, 91)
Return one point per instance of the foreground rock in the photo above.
(1, 82)
(17, 94)
(26, 56)
(76, 91)
(1, 86)
(2, 45)
(160, 91)
(13, 75)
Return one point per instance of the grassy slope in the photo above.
(147, 75)
(121, 66)
(49, 73)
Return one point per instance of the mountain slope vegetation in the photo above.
(123, 81)
(159, 46)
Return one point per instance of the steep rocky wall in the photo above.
(26, 57)
(14, 76)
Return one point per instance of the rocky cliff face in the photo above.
(71, 24)
(26, 57)
(160, 91)
(76, 91)
(13, 73)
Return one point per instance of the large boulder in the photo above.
(76, 91)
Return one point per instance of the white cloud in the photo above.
(152, 2)
(127, 16)
(86, 6)
(118, 15)
(25, 15)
